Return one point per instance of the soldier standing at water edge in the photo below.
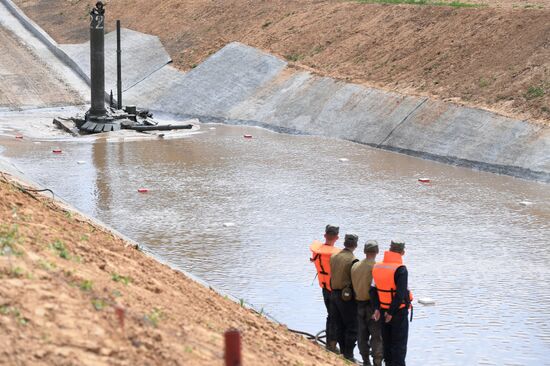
(369, 329)
(321, 257)
(393, 297)
(343, 306)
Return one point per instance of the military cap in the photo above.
(397, 246)
(331, 229)
(350, 240)
(371, 246)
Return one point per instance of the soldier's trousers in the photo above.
(330, 329)
(344, 315)
(395, 335)
(369, 333)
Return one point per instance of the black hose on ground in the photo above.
(23, 189)
(317, 338)
(160, 128)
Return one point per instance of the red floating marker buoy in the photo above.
(424, 180)
(18, 136)
(56, 151)
(143, 190)
(247, 136)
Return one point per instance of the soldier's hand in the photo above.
(387, 317)
(376, 315)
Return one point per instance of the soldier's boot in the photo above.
(348, 354)
(331, 346)
(350, 358)
(377, 361)
(366, 361)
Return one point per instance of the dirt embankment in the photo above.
(496, 57)
(61, 279)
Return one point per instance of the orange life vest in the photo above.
(383, 275)
(321, 258)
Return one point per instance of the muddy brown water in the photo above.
(471, 246)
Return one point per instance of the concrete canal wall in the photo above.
(241, 84)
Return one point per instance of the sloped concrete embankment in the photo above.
(44, 38)
(144, 54)
(240, 84)
(31, 75)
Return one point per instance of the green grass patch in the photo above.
(154, 317)
(122, 279)
(294, 57)
(16, 272)
(534, 92)
(99, 304)
(454, 4)
(317, 49)
(13, 311)
(48, 266)
(483, 83)
(9, 240)
(4, 309)
(58, 247)
(86, 285)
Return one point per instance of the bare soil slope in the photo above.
(62, 279)
(496, 57)
(25, 81)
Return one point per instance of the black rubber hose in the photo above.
(310, 336)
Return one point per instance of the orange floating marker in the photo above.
(247, 136)
(424, 180)
(143, 190)
(57, 151)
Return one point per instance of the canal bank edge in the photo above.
(184, 318)
(19, 177)
(242, 85)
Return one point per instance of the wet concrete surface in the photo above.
(472, 247)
